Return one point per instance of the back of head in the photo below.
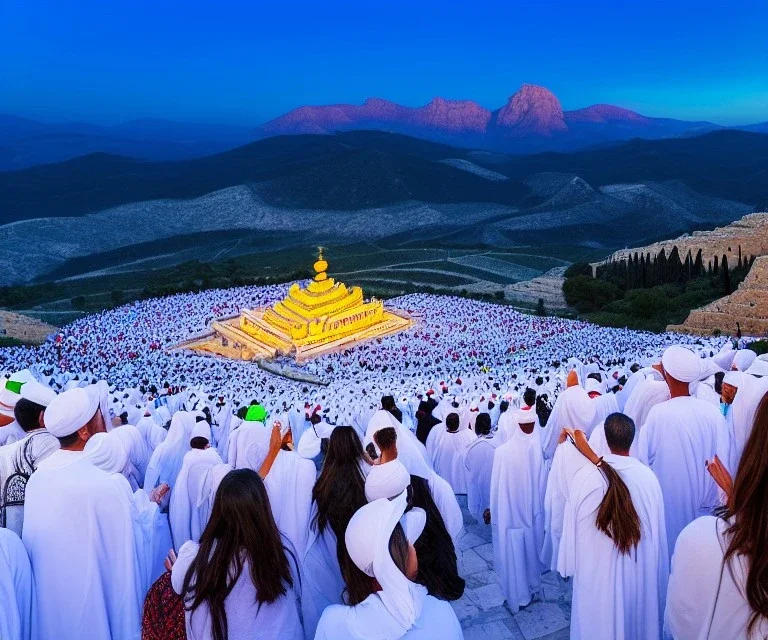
(529, 397)
(452, 422)
(483, 424)
(241, 528)
(27, 414)
(385, 438)
(340, 488)
(619, 433)
(719, 382)
(748, 532)
(388, 403)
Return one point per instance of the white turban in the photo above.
(525, 416)
(38, 393)
(367, 540)
(107, 452)
(201, 430)
(248, 446)
(70, 411)
(725, 357)
(591, 385)
(386, 480)
(743, 359)
(733, 378)
(682, 364)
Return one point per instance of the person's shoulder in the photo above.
(700, 534)
(332, 620)
(436, 606)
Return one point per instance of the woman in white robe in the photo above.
(261, 594)
(478, 462)
(338, 493)
(18, 612)
(387, 604)
(167, 458)
(717, 584)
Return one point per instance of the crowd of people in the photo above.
(152, 493)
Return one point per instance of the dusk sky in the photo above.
(247, 61)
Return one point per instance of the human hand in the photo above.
(721, 476)
(275, 438)
(158, 493)
(170, 560)
(487, 516)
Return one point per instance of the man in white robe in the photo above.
(446, 448)
(18, 461)
(18, 611)
(190, 504)
(10, 393)
(78, 534)
(518, 483)
(678, 436)
(617, 595)
(478, 461)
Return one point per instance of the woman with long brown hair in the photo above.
(719, 582)
(241, 581)
(617, 535)
(338, 493)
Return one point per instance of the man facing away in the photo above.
(78, 533)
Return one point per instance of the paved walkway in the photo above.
(482, 610)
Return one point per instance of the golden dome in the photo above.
(320, 266)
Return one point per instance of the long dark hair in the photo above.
(438, 570)
(617, 517)
(241, 528)
(361, 585)
(748, 512)
(338, 493)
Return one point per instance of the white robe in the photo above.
(18, 615)
(446, 453)
(83, 551)
(705, 599)
(289, 484)
(246, 619)
(677, 438)
(478, 461)
(11, 433)
(321, 581)
(518, 484)
(368, 621)
(190, 505)
(616, 595)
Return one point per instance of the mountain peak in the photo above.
(533, 110)
(604, 113)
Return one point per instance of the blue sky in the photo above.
(245, 62)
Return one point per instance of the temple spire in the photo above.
(320, 266)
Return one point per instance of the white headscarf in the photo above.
(107, 452)
(367, 540)
(743, 359)
(386, 480)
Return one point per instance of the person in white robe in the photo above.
(446, 448)
(152, 434)
(742, 400)
(18, 461)
(717, 583)
(242, 527)
(573, 409)
(167, 458)
(72, 507)
(190, 503)
(18, 611)
(108, 452)
(518, 484)
(617, 592)
(478, 462)
(677, 437)
(392, 606)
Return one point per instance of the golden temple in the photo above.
(324, 316)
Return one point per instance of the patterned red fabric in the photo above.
(163, 612)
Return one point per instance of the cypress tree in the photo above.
(698, 267)
(715, 269)
(726, 276)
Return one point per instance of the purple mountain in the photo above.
(532, 120)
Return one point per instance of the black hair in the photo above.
(27, 414)
(385, 438)
(529, 397)
(483, 424)
(452, 422)
(198, 442)
(619, 432)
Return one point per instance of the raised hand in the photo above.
(170, 560)
(721, 476)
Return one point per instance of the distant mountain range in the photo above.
(532, 120)
(327, 188)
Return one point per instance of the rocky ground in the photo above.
(482, 609)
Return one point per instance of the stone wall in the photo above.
(747, 306)
(751, 233)
(24, 328)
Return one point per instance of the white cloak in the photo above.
(478, 461)
(18, 615)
